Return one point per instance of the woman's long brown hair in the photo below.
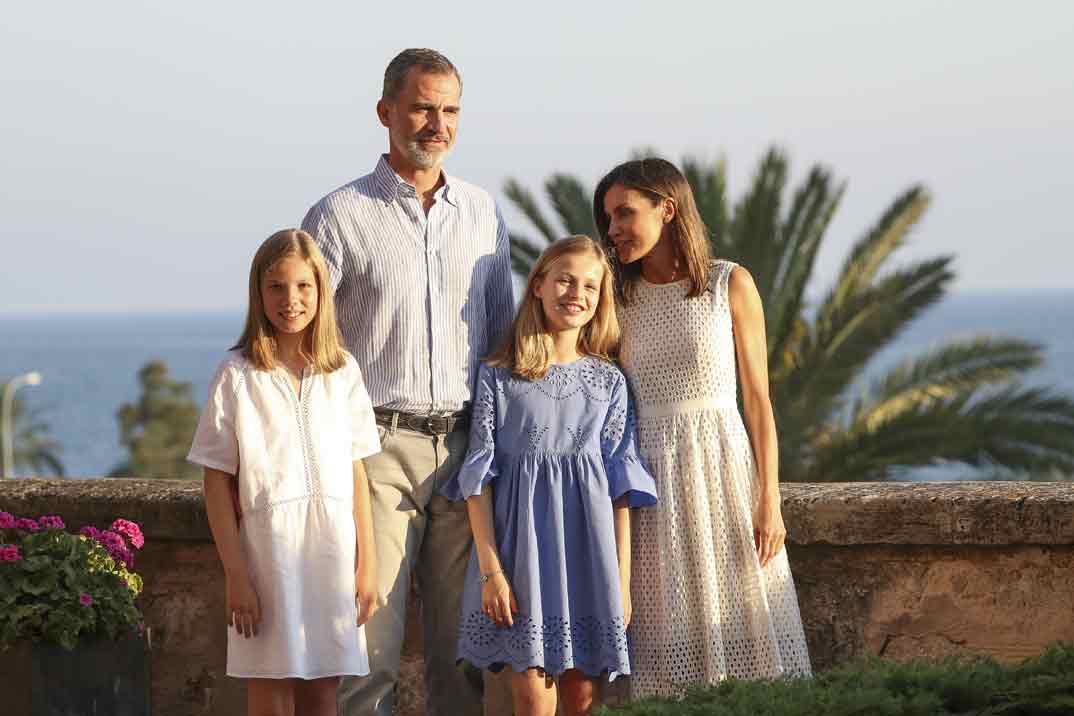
(658, 179)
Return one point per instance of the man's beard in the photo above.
(422, 158)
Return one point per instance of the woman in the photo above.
(712, 590)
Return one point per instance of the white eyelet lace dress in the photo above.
(704, 609)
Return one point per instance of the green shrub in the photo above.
(957, 686)
(60, 587)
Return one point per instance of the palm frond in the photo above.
(34, 449)
(523, 199)
(572, 203)
(523, 254)
(1020, 429)
(754, 230)
(40, 458)
(840, 344)
(944, 373)
(709, 185)
(812, 209)
(868, 255)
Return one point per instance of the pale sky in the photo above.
(146, 149)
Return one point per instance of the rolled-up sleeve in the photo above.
(216, 445)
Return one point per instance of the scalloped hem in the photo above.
(498, 666)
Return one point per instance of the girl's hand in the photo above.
(498, 601)
(365, 590)
(769, 532)
(628, 606)
(243, 607)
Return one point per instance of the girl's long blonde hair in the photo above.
(527, 349)
(323, 346)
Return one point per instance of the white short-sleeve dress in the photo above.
(292, 454)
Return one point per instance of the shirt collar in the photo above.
(390, 184)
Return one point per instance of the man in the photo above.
(420, 266)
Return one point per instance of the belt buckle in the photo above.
(429, 424)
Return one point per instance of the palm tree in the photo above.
(34, 451)
(960, 402)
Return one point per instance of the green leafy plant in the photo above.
(59, 587)
(955, 686)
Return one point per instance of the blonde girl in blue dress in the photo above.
(551, 472)
(285, 427)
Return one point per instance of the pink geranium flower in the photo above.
(25, 523)
(10, 553)
(52, 522)
(131, 530)
(85, 599)
(7, 520)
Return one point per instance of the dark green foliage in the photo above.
(34, 451)
(158, 429)
(960, 402)
(40, 589)
(1042, 686)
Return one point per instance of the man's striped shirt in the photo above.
(420, 299)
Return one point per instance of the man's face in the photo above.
(422, 118)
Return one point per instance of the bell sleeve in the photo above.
(216, 445)
(364, 438)
(627, 474)
(479, 467)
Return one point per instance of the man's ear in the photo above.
(382, 111)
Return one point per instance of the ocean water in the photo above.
(90, 363)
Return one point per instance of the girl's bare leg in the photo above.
(577, 693)
(270, 697)
(316, 697)
(533, 692)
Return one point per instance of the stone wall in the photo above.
(898, 569)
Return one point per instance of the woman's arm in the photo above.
(622, 547)
(243, 608)
(497, 599)
(365, 574)
(751, 350)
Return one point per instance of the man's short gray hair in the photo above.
(428, 60)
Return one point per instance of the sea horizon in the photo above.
(35, 314)
(89, 360)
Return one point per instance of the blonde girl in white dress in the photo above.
(281, 438)
(712, 590)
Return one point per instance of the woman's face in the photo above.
(635, 223)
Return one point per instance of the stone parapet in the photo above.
(929, 513)
(899, 569)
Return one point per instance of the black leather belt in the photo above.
(430, 424)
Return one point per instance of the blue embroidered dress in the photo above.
(557, 452)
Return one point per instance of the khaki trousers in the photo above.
(419, 531)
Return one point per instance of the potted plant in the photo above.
(74, 638)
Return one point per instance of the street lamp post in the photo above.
(7, 429)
